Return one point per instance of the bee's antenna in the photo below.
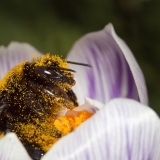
(60, 68)
(77, 63)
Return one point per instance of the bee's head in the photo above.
(50, 70)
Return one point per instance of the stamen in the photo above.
(68, 123)
(77, 63)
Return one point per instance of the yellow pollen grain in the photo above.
(66, 124)
(1, 135)
(41, 134)
(50, 59)
(12, 78)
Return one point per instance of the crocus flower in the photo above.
(122, 128)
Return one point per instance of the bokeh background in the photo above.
(54, 25)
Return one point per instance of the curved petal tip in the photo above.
(134, 66)
(14, 54)
(115, 71)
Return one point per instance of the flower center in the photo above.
(71, 121)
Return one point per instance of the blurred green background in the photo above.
(54, 25)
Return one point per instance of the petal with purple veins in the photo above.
(122, 130)
(115, 72)
(14, 54)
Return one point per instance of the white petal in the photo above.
(12, 149)
(90, 105)
(14, 54)
(122, 130)
(115, 72)
(135, 68)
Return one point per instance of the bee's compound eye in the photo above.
(53, 74)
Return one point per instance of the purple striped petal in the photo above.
(12, 149)
(122, 130)
(115, 72)
(14, 54)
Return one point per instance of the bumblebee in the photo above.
(31, 95)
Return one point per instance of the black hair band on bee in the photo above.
(77, 63)
(61, 68)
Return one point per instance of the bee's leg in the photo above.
(36, 154)
(72, 97)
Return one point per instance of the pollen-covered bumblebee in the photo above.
(31, 95)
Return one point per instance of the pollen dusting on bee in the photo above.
(31, 95)
(12, 78)
(15, 75)
(48, 60)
